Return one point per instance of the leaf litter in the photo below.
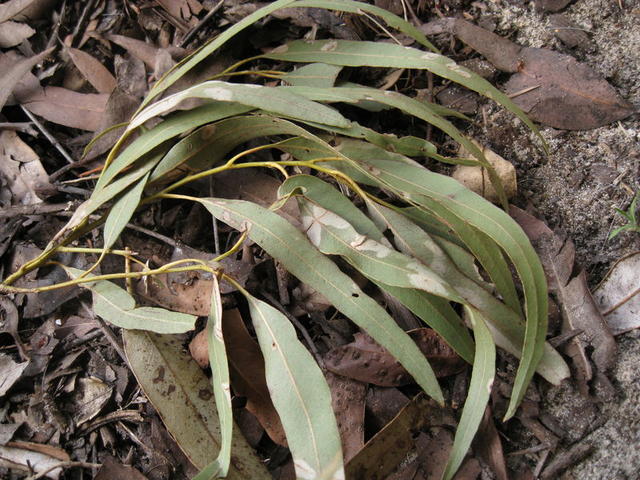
(183, 18)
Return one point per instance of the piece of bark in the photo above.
(568, 32)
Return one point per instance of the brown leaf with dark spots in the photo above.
(93, 70)
(348, 400)
(246, 366)
(366, 361)
(552, 88)
(68, 108)
(579, 309)
(383, 404)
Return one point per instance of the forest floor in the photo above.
(67, 394)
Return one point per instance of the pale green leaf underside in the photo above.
(299, 392)
(117, 307)
(482, 377)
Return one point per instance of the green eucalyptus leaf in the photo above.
(291, 248)
(388, 55)
(171, 127)
(117, 307)
(300, 394)
(313, 75)
(220, 380)
(122, 211)
(482, 377)
(275, 100)
(455, 204)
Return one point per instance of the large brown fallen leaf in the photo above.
(618, 295)
(68, 108)
(12, 8)
(92, 70)
(579, 309)
(13, 69)
(552, 88)
(183, 396)
(366, 361)
(382, 453)
(10, 373)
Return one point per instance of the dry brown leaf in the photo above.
(348, 401)
(93, 71)
(23, 178)
(181, 9)
(89, 397)
(157, 59)
(14, 68)
(14, 33)
(618, 295)
(579, 309)
(69, 108)
(552, 88)
(10, 373)
(366, 361)
(477, 179)
(382, 453)
(10, 9)
(112, 470)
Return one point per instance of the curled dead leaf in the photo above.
(477, 179)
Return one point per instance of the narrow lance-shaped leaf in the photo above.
(300, 394)
(221, 387)
(333, 235)
(551, 365)
(313, 75)
(341, 5)
(482, 377)
(116, 306)
(290, 247)
(389, 55)
(122, 211)
(275, 100)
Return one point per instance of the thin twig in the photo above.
(44, 473)
(48, 135)
(187, 38)
(82, 23)
(621, 302)
(36, 209)
(25, 127)
(113, 339)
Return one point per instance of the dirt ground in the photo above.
(575, 189)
